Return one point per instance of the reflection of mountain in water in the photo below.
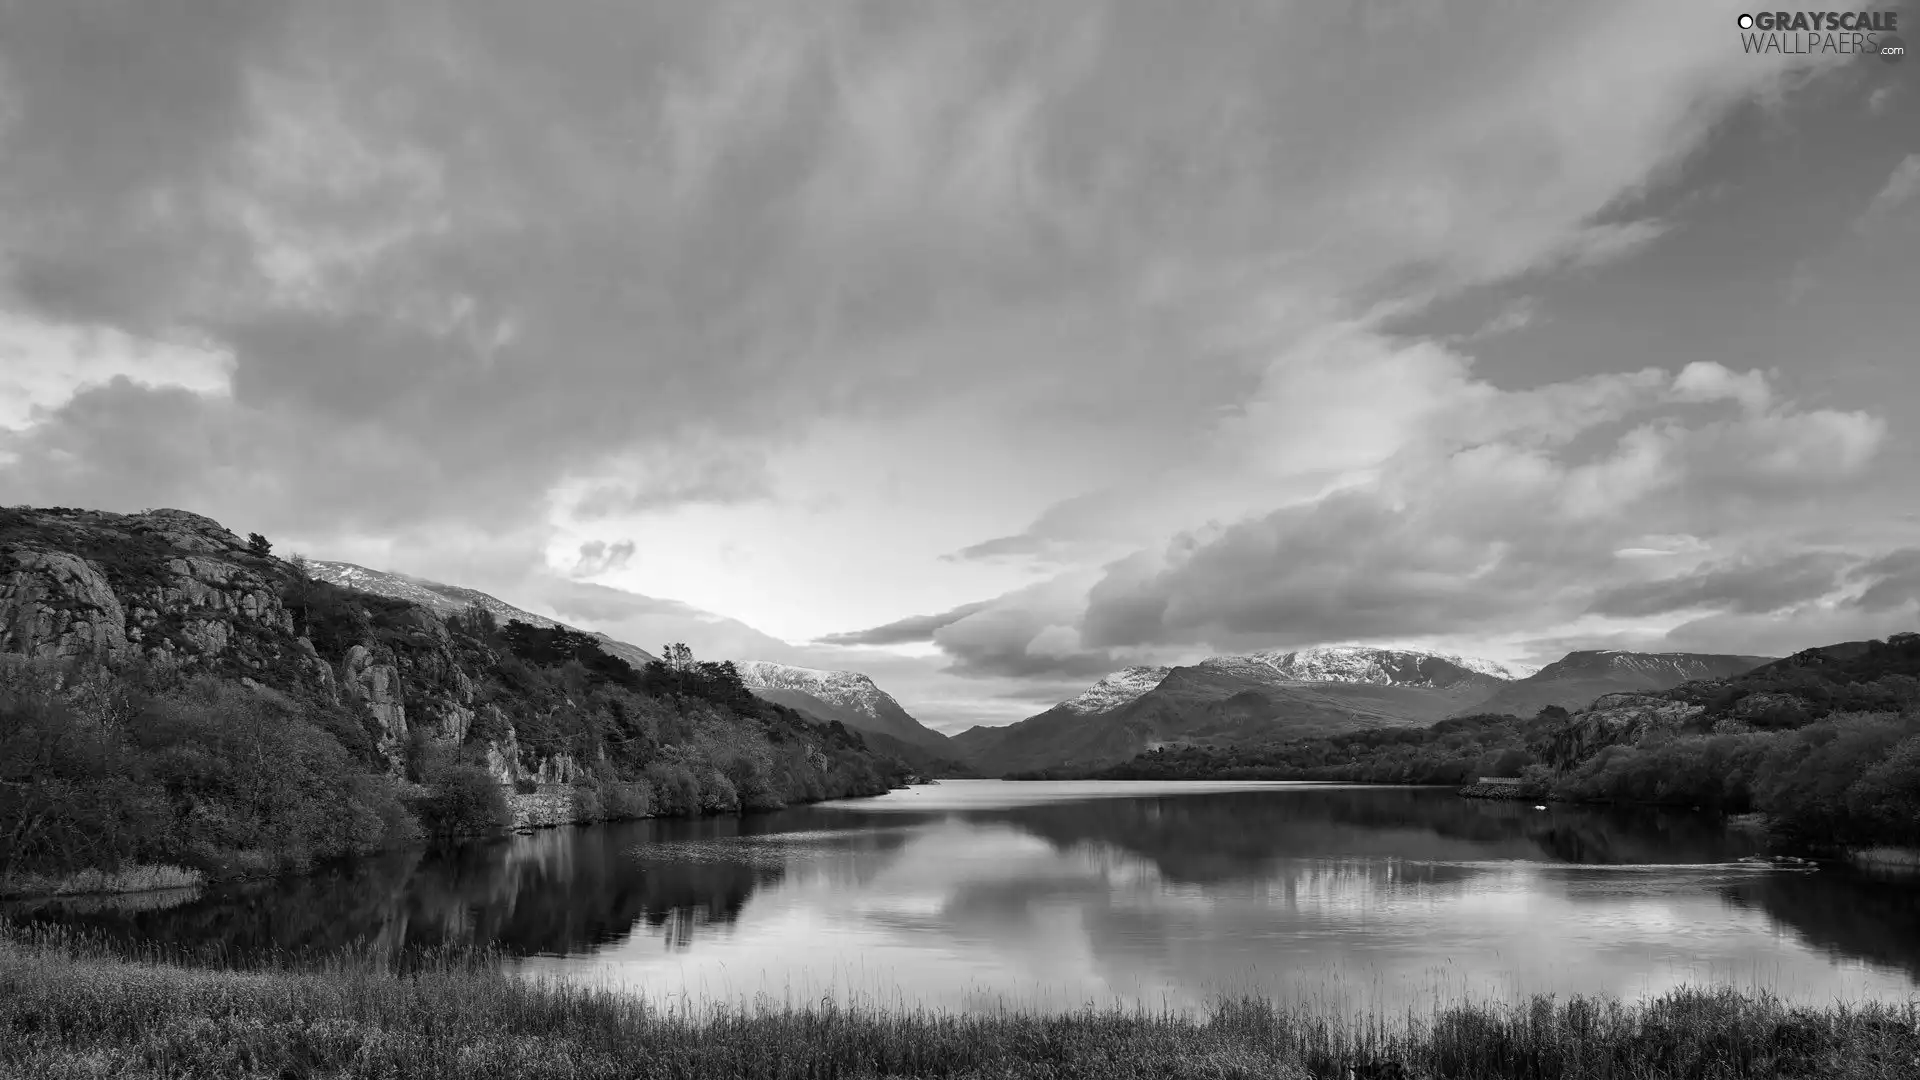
(1135, 868)
(1241, 836)
(557, 892)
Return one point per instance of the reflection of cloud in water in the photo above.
(983, 912)
(1388, 897)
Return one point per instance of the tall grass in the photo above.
(73, 1005)
(93, 882)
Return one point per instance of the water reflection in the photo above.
(973, 893)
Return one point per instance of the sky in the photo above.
(982, 346)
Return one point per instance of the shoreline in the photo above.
(138, 879)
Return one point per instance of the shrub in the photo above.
(626, 801)
(463, 800)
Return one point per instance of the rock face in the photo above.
(84, 583)
(1616, 720)
(377, 686)
(59, 606)
(178, 587)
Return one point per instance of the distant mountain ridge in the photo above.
(1278, 695)
(1575, 680)
(444, 600)
(1365, 664)
(1253, 697)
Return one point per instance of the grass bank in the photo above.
(74, 1006)
(91, 882)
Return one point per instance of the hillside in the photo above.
(1576, 679)
(1825, 744)
(855, 700)
(171, 694)
(446, 600)
(1256, 698)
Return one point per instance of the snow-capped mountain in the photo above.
(1115, 690)
(849, 696)
(1254, 697)
(451, 600)
(1364, 664)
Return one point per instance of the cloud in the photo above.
(599, 557)
(832, 290)
(1901, 186)
(1746, 586)
(649, 621)
(1468, 510)
(1517, 315)
(914, 628)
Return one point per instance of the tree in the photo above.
(258, 545)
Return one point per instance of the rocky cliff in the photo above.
(174, 588)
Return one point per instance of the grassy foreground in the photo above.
(73, 1006)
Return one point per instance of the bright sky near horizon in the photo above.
(988, 347)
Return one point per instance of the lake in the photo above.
(988, 894)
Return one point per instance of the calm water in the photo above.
(978, 894)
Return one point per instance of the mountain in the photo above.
(1575, 680)
(1256, 697)
(193, 701)
(445, 600)
(853, 699)
(849, 695)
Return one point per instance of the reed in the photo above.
(74, 1005)
(92, 882)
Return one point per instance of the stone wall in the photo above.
(551, 805)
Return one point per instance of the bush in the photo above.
(676, 793)
(626, 801)
(463, 800)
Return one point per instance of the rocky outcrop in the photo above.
(55, 605)
(112, 586)
(377, 686)
(181, 591)
(1615, 720)
(319, 670)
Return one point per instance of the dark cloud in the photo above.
(1352, 566)
(914, 628)
(1001, 547)
(126, 446)
(505, 247)
(123, 114)
(1895, 581)
(1082, 517)
(599, 557)
(1748, 585)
